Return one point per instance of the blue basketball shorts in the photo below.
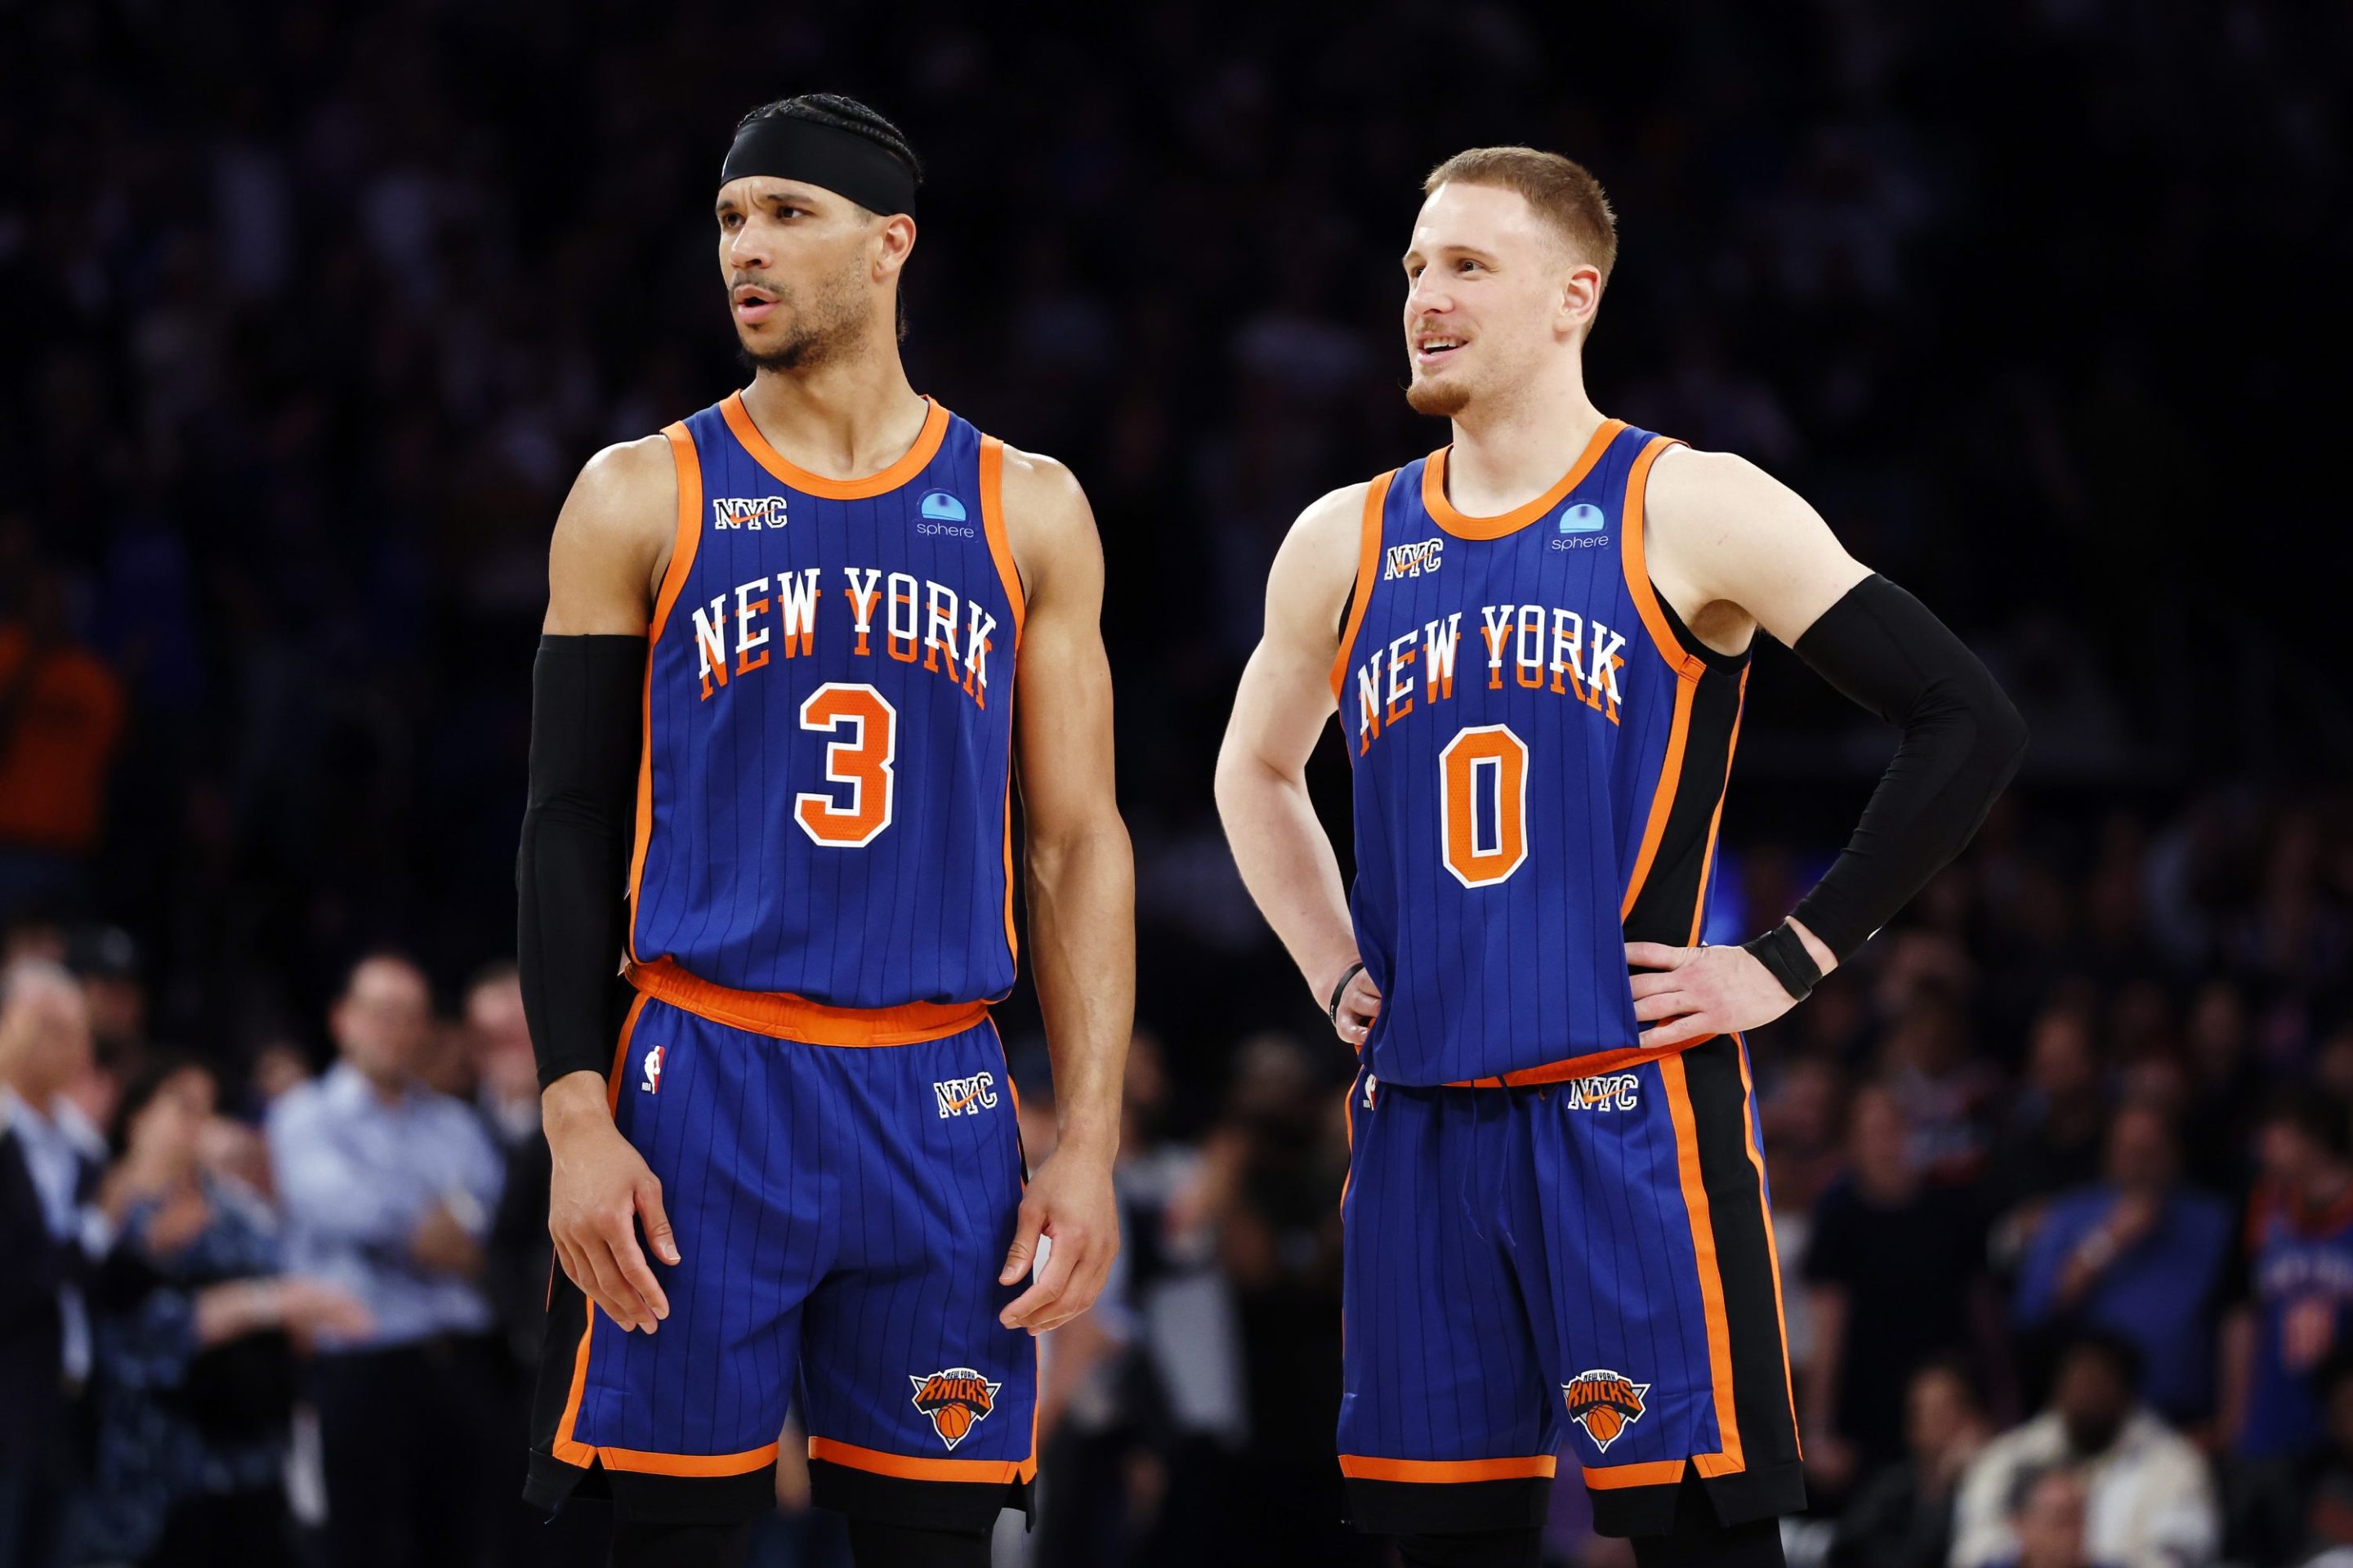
(842, 1213)
(1582, 1268)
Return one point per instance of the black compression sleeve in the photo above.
(586, 704)
(1962, 741)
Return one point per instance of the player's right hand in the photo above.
(599, 1191)
(1359, 1005)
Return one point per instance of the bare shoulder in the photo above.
(613, 539)
(1719, 530)
(1316, 565)
(1049, 525)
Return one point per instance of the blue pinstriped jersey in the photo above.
(1540, 754)
(824, 800)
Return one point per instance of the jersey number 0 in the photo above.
(865, 731)
(1482, 793)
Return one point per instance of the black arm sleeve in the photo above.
(1962, 742)
(586, 704)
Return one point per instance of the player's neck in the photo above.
(1510, 449)
(844, 420)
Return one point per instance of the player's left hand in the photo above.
(1695, 992)
(1069, 1201)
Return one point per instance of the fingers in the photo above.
(1032, 1220)
(630, 1260)
(1664, 1004)
(1658, 956)
(1042, 1307)
(1650, 982)
(657, 1221)
(1680, 1031)
(610, 1290)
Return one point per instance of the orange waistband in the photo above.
(787, 1017)
(1576, 1067)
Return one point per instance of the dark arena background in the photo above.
(309, 314)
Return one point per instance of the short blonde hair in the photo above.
(1563, 191)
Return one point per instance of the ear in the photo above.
(1580, 297)
(894, 243)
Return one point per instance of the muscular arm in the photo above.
(1082, 887)
(1284, 701)
(1733, 549)
(611, 544)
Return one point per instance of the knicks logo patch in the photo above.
(954, 1400)
(1604, 1403)
(747, 512)
(1412, 560)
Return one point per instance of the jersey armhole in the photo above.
(992, 523)
(1368, 560)
(688, 461)
(1633, 559)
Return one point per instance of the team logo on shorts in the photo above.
(652, 1082)
(954, 1400)
(1604, 1403)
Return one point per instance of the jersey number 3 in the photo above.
(865, 731)
(1482, 793)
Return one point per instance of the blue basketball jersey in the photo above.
(1540, 752)
(823, 804)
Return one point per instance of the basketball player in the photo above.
(1538, 639)
(793, 648)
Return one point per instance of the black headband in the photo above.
(842, 161)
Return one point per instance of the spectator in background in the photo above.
(1947, 1092)
(2299, 1277)
(388, 1190)
(2053, 1142)
(60, 713)
(2298, 1509)
(2141, 1255)
(194, 1385)
(2149, 1499)
(1903, 1516)
(50, 1238)
(2048, 1522)
(1893, 1275)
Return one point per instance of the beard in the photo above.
(1441, 399)
(831, 328)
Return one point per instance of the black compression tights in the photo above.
(1698, 1541)
(644, 1545)
(873, 1545)
(1521, 1548)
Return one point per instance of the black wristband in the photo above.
(1332, 1008)
(1783, 951)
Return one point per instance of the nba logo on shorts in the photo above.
(954, 1399)
(1604, 1403)
(651, 1083)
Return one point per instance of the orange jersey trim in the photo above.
(1772, 1245)
(1369, 571)
(1443, 513)
(689, 534)
(1662, 798)
(1711, 1274)
(1445, 1472)
(1008, 573)
(566, 1446)
(1632, 557)
(910, 464)
(783, 1016)
(644, 1463)
(1614, 1478)
(913, 1469)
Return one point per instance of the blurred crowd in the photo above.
(309, 312)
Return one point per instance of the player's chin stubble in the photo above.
(1441, 399)
(830, 329)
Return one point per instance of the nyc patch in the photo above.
(747, 512)
(1412, 560)
(954, 1399)
(1604, 1403)
(965, 1097)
